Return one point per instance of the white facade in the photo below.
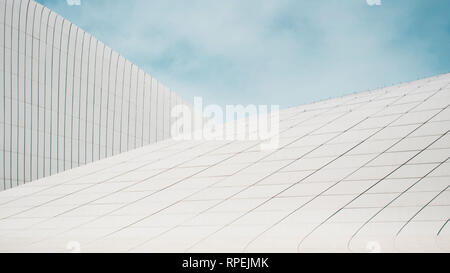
(66, 99)
(362, 173)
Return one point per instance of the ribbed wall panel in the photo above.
(67, 99)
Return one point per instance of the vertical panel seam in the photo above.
(114, 112)
(156, 111)
(45, 93)
(4, 96)
(79, 97)
(129, 106)
(59, 95)
(143, 110)
(38, 94)
(24, 95)
(101, 105)
(121, 107)
(93, 102)
(136, 107)
(51, 94)
(73, 94)
(150, 113)
(11, 101)
(31, 95)
(87, 101)
(65, 97)
(18, 100)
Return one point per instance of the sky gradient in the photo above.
(286, 52)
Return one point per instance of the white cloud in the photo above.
(73, 2)
(374, 2)
(262, 52)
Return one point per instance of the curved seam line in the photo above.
(319, 170)
(297, 124)
(426, 205)
(442, 228)
(336, 212)
(308, 134)
(398, 196)
(69, 194)
(298, 246)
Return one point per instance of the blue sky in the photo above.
(286, 52)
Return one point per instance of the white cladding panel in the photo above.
(66, 98)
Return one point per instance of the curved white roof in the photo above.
(367, 172)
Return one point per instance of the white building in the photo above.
(367, 172)
(67, 99)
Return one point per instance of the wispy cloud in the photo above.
(259, 51)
